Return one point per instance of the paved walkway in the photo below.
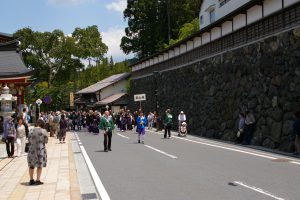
(59, 177)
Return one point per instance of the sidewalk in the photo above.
(59, 177)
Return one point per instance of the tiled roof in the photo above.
(6, 35)
(104, 83)
(12, 65)
(110, 99)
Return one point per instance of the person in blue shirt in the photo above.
(141, 125)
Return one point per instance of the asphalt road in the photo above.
(189, 168)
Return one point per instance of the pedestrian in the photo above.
(21, 137)
(123, 120)
(150, 119)
(25, 121)
(168, 120)
(296, 128)
(241, 129)
(129, 121)
(63, 125)
(141, 125)
(107, 125)
(55, 127)
(181, 118)
(249, 127)
(9, 136)
(37, 154)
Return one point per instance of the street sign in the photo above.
(47, 99)
(140, 97)
(38, 102)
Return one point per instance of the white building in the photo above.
(214, 10)
(221, 18)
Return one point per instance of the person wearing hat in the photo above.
(9, 136)
(168, 120)
(181, 118)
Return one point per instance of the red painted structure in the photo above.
(13, 71)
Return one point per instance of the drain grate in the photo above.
(89, 196)
(77, 152)
(281, 160)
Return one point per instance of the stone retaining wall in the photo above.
(263, 77)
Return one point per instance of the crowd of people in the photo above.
(56, 124)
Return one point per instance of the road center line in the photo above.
(259, 190)
(99, 185)
(162, 152)
(123, 136)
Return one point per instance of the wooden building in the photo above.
(13, 71)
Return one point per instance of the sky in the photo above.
(66, 15)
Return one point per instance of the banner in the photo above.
(71, 99)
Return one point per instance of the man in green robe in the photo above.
(107, 125)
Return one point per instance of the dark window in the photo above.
(201, 19)
(212, 16)
(223, 2)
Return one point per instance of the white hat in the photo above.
(181, 112)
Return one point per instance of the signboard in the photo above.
(71, 99)
(47, 99)
(140, 97)
(38, 102)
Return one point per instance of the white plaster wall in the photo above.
(166, 56)
(177, 51)
(215, 33)
(147, 63)
(239, 21)
(190, 45)
(220, 12)
(182, 48)
(161, 58)
(254, 14)
(171, 53)
(155, 60)
(113, 89)
(271, 6)
(226, 27)
(144, 65)
(205, 37)
(290, 2)
(197, 42)
(151, 61)
(229, 7)
(205, 14)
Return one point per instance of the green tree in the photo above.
(153, 23)
(186, 30)
(89, 44)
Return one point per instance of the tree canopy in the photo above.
(60, 63)
(153, 23)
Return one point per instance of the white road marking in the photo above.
(228, 148)
(122, 136)
(259, 190)
(99, 185)
(162, 152)
(293, 162)
(218, 145)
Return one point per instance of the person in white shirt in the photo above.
(21, 137)
(181, 118)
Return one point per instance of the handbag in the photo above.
(27, 147)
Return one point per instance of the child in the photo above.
(141, 124)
